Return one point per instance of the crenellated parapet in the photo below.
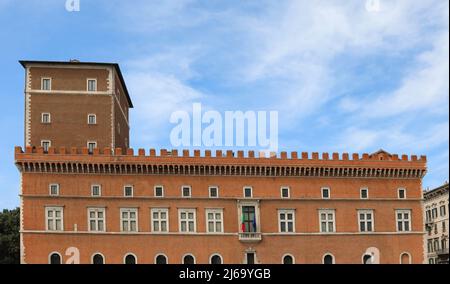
(228, 163)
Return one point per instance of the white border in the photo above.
(286, 211)
(99, 253)
(287, 254)
(215, 254)
(409, 256)
(96, 209)
(50, 189)
(121, 219)
(154, 191)
(132, 190)
(95, 118)
(54, 252)
(182, 258)
(166, 210)
(365, 211)
(209, 191)
(87, 85)
(327, 211)
(161, 254)
(332, 256)
(398, 193)
(360, 193)
(99, 190)
(281, 192)
(251, 191)
(49, 118)
(190, 191)
(214, 211)
(130, 253)
(42, 84)
(187, 210)
(329, 192)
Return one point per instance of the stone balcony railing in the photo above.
(250, 237)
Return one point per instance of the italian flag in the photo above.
(243, 224)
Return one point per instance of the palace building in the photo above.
(87, 197)
(436, 224)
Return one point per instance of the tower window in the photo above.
(46, 84)
(91, 146)
(92, 119)
(128, 191)
(46, 144)
(45, 118)
(92, 85)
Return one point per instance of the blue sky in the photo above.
(343, 78)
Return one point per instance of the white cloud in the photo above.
(156, 97)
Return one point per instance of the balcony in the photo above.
(442, 251)
(250, 237)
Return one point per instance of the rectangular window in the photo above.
(54, 218)
(92, 119)
(248, 192)
(250, 258)
(96, 219)
(214, 220)
(129, 219)
(430, 246)
(128, 191)
(285, 192)
(54, 189)
(286, 221)
(325, 192)
(434, 213)
(186, 191)
(327, 221)
(91, 145)
(403, 220)
(213, 192)
(364, 193)
(160, 220)
(159, 191)
(45, 118)
(92, 85)
(366, 220)
(187, 220)
(401, 193)
(443, 211)
(428, 214)
(248, 224)
(46, 84)
(96, 190)
(46, 144)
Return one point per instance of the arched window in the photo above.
(328, 259)
(367, 259)
(288, 259)
(130, 259)
(161, 259)
(188, 259)
(215, 259)
(98, 259)
(405, 258)
(55, 258)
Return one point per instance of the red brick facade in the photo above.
(335, 207)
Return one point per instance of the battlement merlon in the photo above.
(380, 164)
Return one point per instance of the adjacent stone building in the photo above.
(87, 197)
(436, 225)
